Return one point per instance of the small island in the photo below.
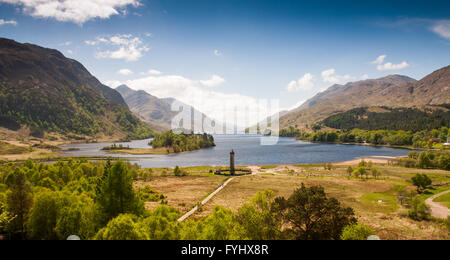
(178, 143)
(168, 143)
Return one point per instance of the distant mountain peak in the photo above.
(155, 111)
(392, 91)
(123, 87)
(397, 78)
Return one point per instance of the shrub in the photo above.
(357, 232)
(421, 181)
(123, 227)
(419, 210)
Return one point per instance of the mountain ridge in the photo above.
(41, 88)
(391, 91)
(157, 112)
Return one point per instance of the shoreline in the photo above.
(373, 159)
(372, 145)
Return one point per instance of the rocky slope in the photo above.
(43, 90)
(391, 91)
(158, 112)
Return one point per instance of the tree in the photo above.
(162, 224)
(361, 171)
(375, 173)
(419, 210)
(117, 195)
(220, 225)
(44, 215)
(309, 215)
(357, 232)
(258, 220)
(349, 171)
(362, 163)
(421, 181)
(18, 200)
(178, 172)
(123, 227)
(424, 160)
(77, 217)
(5, 218)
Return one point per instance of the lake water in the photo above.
(249, 151)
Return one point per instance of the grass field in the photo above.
(374, 200)
(7, 149)
(182, 193)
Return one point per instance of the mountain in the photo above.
(267, 123)
(154, 111)
(384, 118)
(392, 91)
(434, 89)
(42, 89)
(157, 112)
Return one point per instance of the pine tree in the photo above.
(117, 195)
(19, 200)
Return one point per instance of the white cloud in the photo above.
(77, 11)
(152, 72)
(380, 59)
(442, 28)
(148, 34)
(69, 51)
(391, 66)
(388, 65)
(304, 83)
(213, 82)
(92, 43)
(7, 22)
(217, 53)
(330, 76)
(213, 103)
(127, 47)
(364, 77)
(66, 44)
(125, 72)
(113, 83)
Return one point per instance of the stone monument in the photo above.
(232, 169)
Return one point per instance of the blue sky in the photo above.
(237, 50)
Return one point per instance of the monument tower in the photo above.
(232, 170)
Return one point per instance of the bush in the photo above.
(179, 172)
(419, 210)
(37, 132)
(421, 181)
(447, 223)
(357, 232)
(123, 227)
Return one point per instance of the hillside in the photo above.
(157, 112)
(391, 91)
(384, 118)
(152, 110)
(45, 91)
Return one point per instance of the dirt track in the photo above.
(438, 210)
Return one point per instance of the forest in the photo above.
(66, 113)
(97, 201)
(423, 139)
(406, 119)
(182, 142)
(426, 160)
